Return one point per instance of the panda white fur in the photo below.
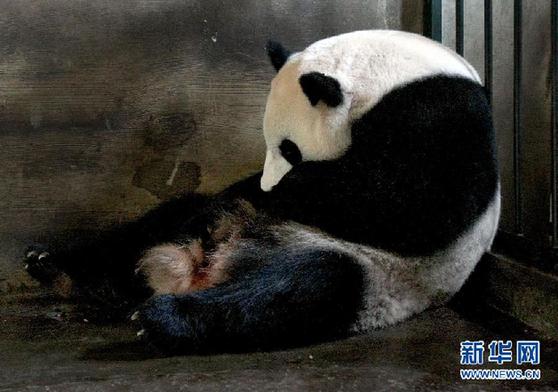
(379, 195)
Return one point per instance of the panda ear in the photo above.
(320, 87)
(277, 54)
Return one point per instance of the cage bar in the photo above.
(433, 19)
(517, 54)
(488, 48)
(459, 27)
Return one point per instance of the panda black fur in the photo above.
(381, 195)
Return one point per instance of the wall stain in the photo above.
(154, 175)
(163, 172)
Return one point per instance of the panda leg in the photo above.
(179, 268)
(184, 266)
(102, 266)
(294, 297)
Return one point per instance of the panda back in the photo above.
(371, 63)
(427, 158)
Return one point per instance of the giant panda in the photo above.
(378, 196)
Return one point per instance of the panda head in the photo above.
(318, 93)
(306, 116)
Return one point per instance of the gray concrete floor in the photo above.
(45, 345)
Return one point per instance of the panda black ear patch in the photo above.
(277, 54)
(319, 87)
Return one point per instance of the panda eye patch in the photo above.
(290, 152)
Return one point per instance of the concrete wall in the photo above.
(109, 107)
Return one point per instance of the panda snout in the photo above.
(275, 168)
(264, 186)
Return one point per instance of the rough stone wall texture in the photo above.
(108, 107)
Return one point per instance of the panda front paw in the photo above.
(166, 323)
(38, 263)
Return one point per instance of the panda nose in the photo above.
(265, 187)
(275, 168)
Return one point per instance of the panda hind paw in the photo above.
(161, 324)
(39, 265)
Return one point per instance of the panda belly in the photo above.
(399, 287)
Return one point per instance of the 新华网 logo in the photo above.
(527, 352)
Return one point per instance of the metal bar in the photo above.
(433, 19)
(517, 54)
(554, 134)
(459, 29)
(488, 48)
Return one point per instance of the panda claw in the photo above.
(26, 266)
(43, 255)
(30, 254)
(140, 333)
(135, 316)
